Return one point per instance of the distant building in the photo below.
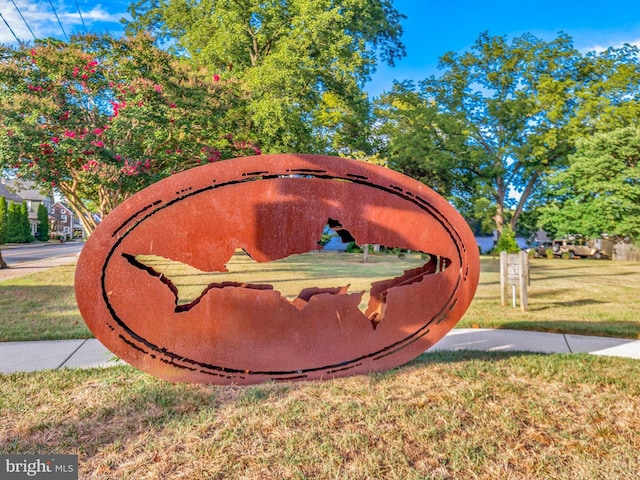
(17, 190)
(63, 222)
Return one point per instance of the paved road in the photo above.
(17, 255)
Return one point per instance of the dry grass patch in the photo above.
(447, 415)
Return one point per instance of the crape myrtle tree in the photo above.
(504, 115)
(304, 62)
(98, 118)
(599, 192)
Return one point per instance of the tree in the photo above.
(520, 106)
(507, 241)
(599, 192)
(3, 228)
(3, 220)
(98, 118)
(24, 221)
(303, 62)
(43, 223)
(426, 144)
(15, 232)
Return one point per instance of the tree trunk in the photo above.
(3, 264)
(528, 190)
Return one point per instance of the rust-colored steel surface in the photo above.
(273, 206)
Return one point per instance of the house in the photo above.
(64, 223)
(18, 190)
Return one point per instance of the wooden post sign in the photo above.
(514, 275)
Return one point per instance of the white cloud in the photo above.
(598, 48)
(40, 17)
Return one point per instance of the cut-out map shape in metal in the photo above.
(273, 206)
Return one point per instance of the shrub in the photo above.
(507, 241)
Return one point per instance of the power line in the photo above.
(57, 18)
(10, 29)
(79, 13)
(23, 19)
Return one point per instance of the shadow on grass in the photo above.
(580, 302)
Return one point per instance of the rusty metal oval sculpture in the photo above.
(273, 206)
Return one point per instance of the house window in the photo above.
(66, 230)
(63, 217)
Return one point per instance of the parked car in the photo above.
(539, 249)
(577, 247)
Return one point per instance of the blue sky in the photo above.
(432, 27)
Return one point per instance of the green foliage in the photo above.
(3, 220)
(43, 226)
(15, 231)
(303, 62)
(426, 144)
(600, 190)
(353, 247)
(99, 118)
(503, 116)
(507, 241)
(24, 222)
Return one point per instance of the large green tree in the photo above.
(303, 62)
(599, 192)
(98, 118)
(426, 144)
(507, 113)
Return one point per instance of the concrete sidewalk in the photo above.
(56, 354)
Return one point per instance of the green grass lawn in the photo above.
(588, 297)
(573, 296)
(443, 416)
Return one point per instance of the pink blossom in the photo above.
(69, 134)
(158, 88)
(55, 140)
(172, 105)
(216, 78)
(75, 72)
(98, 131)
(214, 156)
(99, 143)
(117, 106)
